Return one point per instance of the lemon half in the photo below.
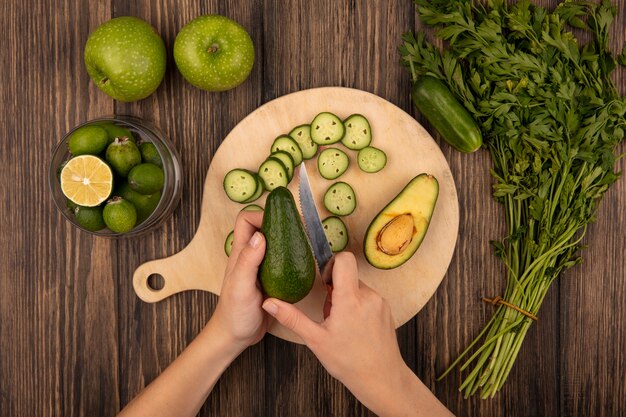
(86, 180)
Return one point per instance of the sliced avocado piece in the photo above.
(398, 230)
(288, 269)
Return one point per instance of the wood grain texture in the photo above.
(75, 340)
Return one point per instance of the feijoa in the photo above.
(120, 215)
(146, 178)
(144, 204)
(123, 155)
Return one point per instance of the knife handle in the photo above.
(327, 272)
(327, 280)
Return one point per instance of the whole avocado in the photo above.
(288, 269)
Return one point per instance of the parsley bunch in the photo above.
(552, 120)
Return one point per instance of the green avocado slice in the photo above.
(397, 231)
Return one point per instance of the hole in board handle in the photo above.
(155, 282)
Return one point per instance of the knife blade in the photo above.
(321, 248)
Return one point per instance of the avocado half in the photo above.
(397, 231)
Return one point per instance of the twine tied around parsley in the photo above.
(500, 301)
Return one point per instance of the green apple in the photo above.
(126, 58)
(214, 53)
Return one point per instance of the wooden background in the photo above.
(74, 338)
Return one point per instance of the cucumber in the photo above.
(287, 161)
(259, 191)
(228, 244)
(252, 207)
(326, 129)
(302, 135)
(336, 233)
(371, 159)
(332, 162)
(287, 144)
(273, 174)
(358, 132)
(240, 185)
(453, 122)
(340, 199)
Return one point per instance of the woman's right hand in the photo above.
(357, 344)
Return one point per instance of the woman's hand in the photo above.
(237, 323)
(239, 313)
(357, 344)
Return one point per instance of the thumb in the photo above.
(292, 318)
(250, 256)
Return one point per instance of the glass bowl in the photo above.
(143, 132)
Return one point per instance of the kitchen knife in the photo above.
(321, 249)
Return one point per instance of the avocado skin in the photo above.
(288, 269)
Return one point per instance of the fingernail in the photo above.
(270, 307)
(255, 240)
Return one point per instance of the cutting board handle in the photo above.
(177, 277)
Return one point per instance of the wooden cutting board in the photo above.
(410, 151)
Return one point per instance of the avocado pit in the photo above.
(396, 235)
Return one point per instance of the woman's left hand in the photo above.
(239, 313)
